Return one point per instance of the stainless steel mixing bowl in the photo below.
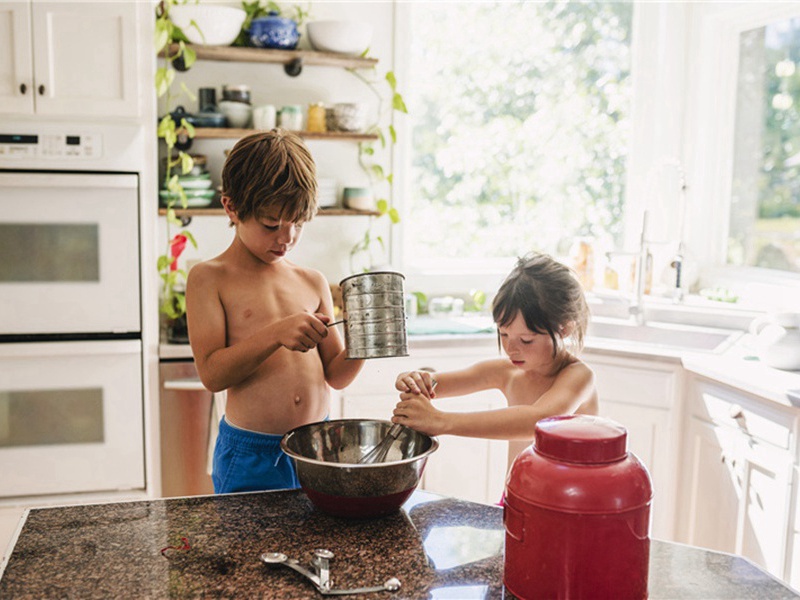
(326, 455)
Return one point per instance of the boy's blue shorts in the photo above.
(248, 461)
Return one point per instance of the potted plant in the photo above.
(171, 43)
(258, 9)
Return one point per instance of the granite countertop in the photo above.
(438, 547)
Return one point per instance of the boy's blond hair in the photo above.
(268, 169)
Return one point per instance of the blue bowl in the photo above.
(274, 32)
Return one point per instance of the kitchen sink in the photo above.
(667, 335)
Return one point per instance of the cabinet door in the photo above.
(468, 468)
(16, 60)
(765, 512)
(793, 553)
(85, 58)
(648, 439)
(714, 483)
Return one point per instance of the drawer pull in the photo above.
(735, 411)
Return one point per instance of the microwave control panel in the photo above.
(61, 146)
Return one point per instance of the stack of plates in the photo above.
(326, 192)
(196, 186)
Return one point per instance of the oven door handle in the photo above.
(185, 385)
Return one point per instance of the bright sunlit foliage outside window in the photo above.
(521, 119)
(765, 203)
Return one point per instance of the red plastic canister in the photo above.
(577, 513)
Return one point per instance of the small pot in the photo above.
(274, 32)
(374, 315)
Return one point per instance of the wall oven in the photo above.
(71, 357)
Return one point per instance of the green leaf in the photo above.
(189, 56)
(367, 150)
(187, 162)
(393, 134)
(173, 185)
(390, 178)
(190, 237)
(194, 24)
(164, 125)
(188, 127)
(392, 80)
(365, 52)
(163, 262)
(394, 215)
(382, 138)
(377, 171)
(164, 78)
(172, 219)
(382, 206)
(185, 89)
(161, 36)
(398, 103)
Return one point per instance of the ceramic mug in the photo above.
(265, 117)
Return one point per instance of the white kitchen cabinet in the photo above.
(69, 58)
(793, 556)
(737, 475)
(643, 396)
(468, 468)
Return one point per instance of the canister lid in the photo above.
(581, 439)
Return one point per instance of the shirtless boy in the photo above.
(258, 322)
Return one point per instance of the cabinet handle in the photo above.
(735, 411)
(41, 90)
(23, 89)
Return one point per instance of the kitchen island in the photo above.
(210, 546)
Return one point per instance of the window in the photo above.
(520, 122)
(765, 193)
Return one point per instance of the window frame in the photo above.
(684, 76)
(713, 37)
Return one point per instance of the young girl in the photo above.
(541, 316)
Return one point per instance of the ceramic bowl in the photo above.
(350, 116)
(359, 198)
(274, 32)
(346, 37)
(236, 93)
(219, 24)
(237, 113)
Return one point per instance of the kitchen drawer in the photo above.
(724, 406)
(634, 384)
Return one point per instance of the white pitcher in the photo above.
(778, 340)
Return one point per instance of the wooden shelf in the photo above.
(323, 212)
(229, 133)
(283, 57)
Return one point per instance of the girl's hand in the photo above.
(417, 412)
(416, 382)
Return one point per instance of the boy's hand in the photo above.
(416, 382)
(303, 331)
(417, 412)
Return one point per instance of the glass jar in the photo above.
(316, 118)
(291, 117)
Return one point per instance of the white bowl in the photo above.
(347, 37)
(237, 113)
(219, 24)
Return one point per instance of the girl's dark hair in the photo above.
(268, 169)
(550, 298)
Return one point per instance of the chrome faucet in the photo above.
(636, 305)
